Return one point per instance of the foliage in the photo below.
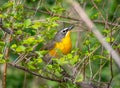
(35, 22)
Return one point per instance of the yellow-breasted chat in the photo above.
(61, 42)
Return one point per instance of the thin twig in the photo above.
(25, 81)
(38, 5)
(111, 67)
(98, 71)
(84, 68)
(90, 66)
(109, 23)
(99, 74)
(99, 11)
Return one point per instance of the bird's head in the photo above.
(63, 33)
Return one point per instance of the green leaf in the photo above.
(31, 65)
(40, 39)
(51, 22)
(19, 32)
(2, 43)
(1, 15)
(30, 40)
(118, 46)
(31, 31)
(87, 42)
(13, 46)
(52, 84)
(95, 15)
(69, 56)
(52, 19)
(98, 57)
(54, 24)
(41, 53)
(106, 31)
(75, 59)
(58, 9)
(49, 66)
(40, 71)
(7, 5)
(62, 61)
(2, 61)
(20, 49)
(39, 60)
(27, 23)
(108, 39)
(36, 25)
(79, 78)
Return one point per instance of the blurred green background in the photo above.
(36, 21)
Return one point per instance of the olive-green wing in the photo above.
(48, 46)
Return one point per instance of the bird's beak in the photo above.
(71, 27)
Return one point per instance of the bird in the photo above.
(61, 43)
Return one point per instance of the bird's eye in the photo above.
(64, 31)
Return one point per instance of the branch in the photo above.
(93, 28)
(4, 76)
(109, 23)
(6, 56)
(48, 13)
(81, 84)
(33, 73)
(71, 18)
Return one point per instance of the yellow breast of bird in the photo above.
(64, 47)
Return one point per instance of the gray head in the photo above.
(62, 33)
